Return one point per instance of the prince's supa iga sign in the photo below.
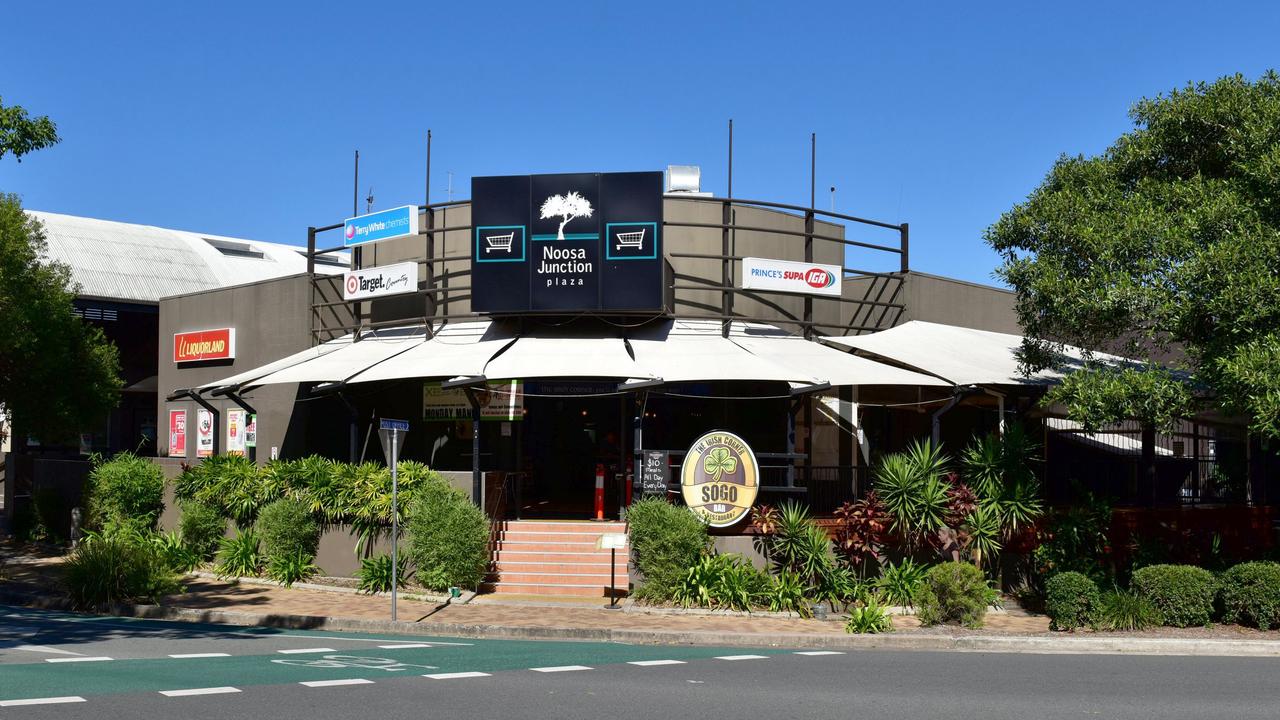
(791, 277)
(720, 478)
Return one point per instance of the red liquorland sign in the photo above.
(218, 344)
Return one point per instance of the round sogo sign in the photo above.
(720, 478)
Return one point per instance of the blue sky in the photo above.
(241, 119)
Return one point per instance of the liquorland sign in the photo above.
(382, 225)
(574, 242)
(380, 281)
(719, 478)
(217, 344)
(790, 277)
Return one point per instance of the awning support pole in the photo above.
(353, 429)
(999, 396)
(637, 434)
(217, 421)
(937, 418)
(477, 487)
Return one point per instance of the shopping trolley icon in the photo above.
(498, 242)
(631, 240)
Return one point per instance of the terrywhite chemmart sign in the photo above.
(382, 225)
(790, 277)
(380, 281)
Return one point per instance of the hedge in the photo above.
(1071, 601)
(667, 540)
(954, 592)
(1184, 594)
(1250, 595)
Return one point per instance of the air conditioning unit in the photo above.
(685, 180)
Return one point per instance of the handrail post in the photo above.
(906, 248)
(726, 290)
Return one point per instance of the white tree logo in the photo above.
(567, 206)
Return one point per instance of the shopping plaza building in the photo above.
(555, 334)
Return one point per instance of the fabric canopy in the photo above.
(460, 349)
(298, 358)
(545, 355)
(1119, 443)
(695, 351)
(961, 356)
(346, 361)
(824, 363)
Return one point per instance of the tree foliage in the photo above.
(1165, 245)
(58, 374)
(20, 133)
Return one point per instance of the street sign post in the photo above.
(392, 433)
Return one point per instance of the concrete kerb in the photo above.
(1075, 645)
(414, 595)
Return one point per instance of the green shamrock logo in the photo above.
(719, 462)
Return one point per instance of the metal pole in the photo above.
(906, 248)
(730, 158)
(355, 189)
(613, 577)
(395, 519)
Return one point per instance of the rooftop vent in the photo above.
(235, 249)
(685, 180)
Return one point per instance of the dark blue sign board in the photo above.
(399, 425)
(567, 243)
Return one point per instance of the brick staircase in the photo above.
(534, 557)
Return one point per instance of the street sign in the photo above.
(612, 541)
(392, 433)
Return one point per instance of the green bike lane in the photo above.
(323, 660)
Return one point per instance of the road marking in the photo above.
(199, 691)
(45, 649)
(743, 657)
(560, 668)
(335, 637)
(404, 646)
(815, 653)
(186, 656)
(335, 683)
(77, 659)
(297, 651)
(652, 663)
(456, 675)
(42, 701)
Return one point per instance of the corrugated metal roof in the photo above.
(143, 263)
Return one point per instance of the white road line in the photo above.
(815, 653)
(406, 646)
(42, 701)
(335, 683)
(743, 657)
(456, 675)
(652, 663)
(297, 651)
(199, 691)
(45, 649)
(78, 659)
(560, 668)
(186, 656)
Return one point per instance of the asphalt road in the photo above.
(112, 667)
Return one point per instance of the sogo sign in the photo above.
(792, 277)
(219, 344)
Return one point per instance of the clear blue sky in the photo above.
(240, 119)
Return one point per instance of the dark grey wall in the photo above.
(930, 298)
(272, 320)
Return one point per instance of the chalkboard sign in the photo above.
(656, 473)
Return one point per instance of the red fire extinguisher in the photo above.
(600, 492)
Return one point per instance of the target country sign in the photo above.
(720, 478)
(380, 281)
(382, 225)
(791, 277)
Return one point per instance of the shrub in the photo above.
(375, 573)
(231, 483)
(1183, 594)
(175, 553)
(202, 527)
(117, 568)
(954, 592)
(1250, 595)
(901, 583)
(787, 593)
(448, 539)
(292, 568)
(1122, 610)
(666, 541)
(125, 491)
(870, 618)
(239, 556)
(287, 529)
(725, 581)
(1072, 600)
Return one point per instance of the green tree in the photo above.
(58, 374)
(21, 133)
(1167, 245)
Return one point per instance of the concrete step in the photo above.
(558, 578)
(506, 566)
(565, 546)
(581, 590)
(557, 556)
(532, 536)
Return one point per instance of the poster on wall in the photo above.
(177, 433)
(501, 400)
(235, 432)
(204, 433)
(251, 431)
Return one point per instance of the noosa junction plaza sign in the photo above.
(577, 242)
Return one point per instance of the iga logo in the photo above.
(818, 278)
